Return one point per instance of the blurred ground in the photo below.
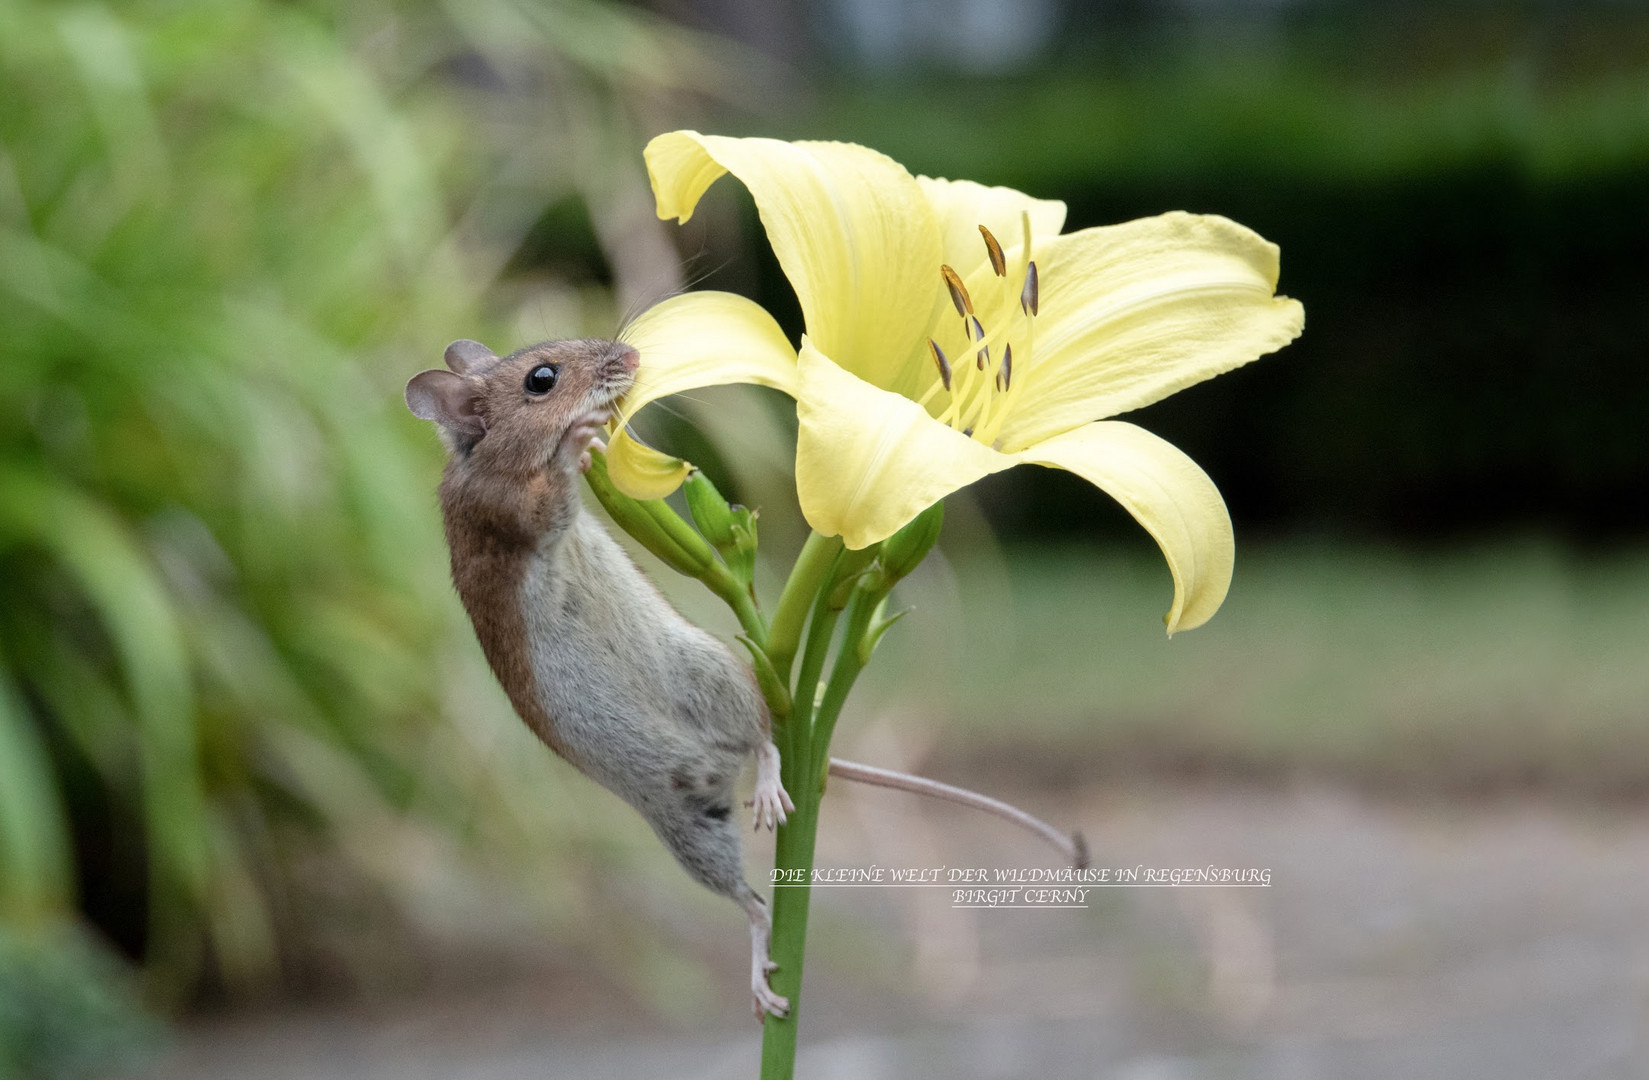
(1509, 938)
(1437, 754)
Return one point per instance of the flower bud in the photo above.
(710, 511)
(904, 550)
(730, 529)
(650, 523)
(851, 567)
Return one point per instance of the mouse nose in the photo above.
(627, 358)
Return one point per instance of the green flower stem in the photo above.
(803, 770)
(785, 635)
(819, 631)
(738, 597)
(683, 534)
(861, 610)
(792, 853)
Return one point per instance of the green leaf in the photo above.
(772, 686)
(36, 863)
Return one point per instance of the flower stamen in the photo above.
(940, 361)
(995, 411)
(979, 399)
(977, 333)
(999, 262)
(958, 291)
(1030, 294)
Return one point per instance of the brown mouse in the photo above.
(592, 656)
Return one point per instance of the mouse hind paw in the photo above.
(766, 1002)
(770, 800)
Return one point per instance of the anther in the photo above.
(999, 263)
(1028, 295)
(940, 361)
(958, 291)
(983, 356)
(1004, 374)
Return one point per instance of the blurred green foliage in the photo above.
(217, 557)
(1490, 669)
(67, 1009)
(228, 233)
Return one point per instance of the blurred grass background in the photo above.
(248, 750)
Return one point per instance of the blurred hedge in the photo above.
(232, 672)
(1458, 192)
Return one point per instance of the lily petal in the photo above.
(851, 229)
(640, 471)
(867, 460)
(1131, 313)
(687, 342)
(961, 206)
(1167, 493)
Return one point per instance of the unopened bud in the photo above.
(710, 511)
(904, 550)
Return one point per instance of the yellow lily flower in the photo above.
(952, 331)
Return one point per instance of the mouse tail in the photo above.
(1073, 847)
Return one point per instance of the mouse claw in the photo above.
(770, 805)
(584, 458)
(770, 799)
(767, 1003)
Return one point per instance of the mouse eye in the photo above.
(541, 379)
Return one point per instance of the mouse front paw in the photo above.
(582, 435)
(584, 458)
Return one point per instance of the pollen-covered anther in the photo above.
(999, 262)
(1004, 374)
(1029, 295)
(940, 362)
(958, 291)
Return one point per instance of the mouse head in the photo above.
(510, 412)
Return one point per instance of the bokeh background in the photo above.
(263, 812)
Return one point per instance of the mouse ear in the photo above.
(465, 356)
(447, 399)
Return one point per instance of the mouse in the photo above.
(591, 655)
